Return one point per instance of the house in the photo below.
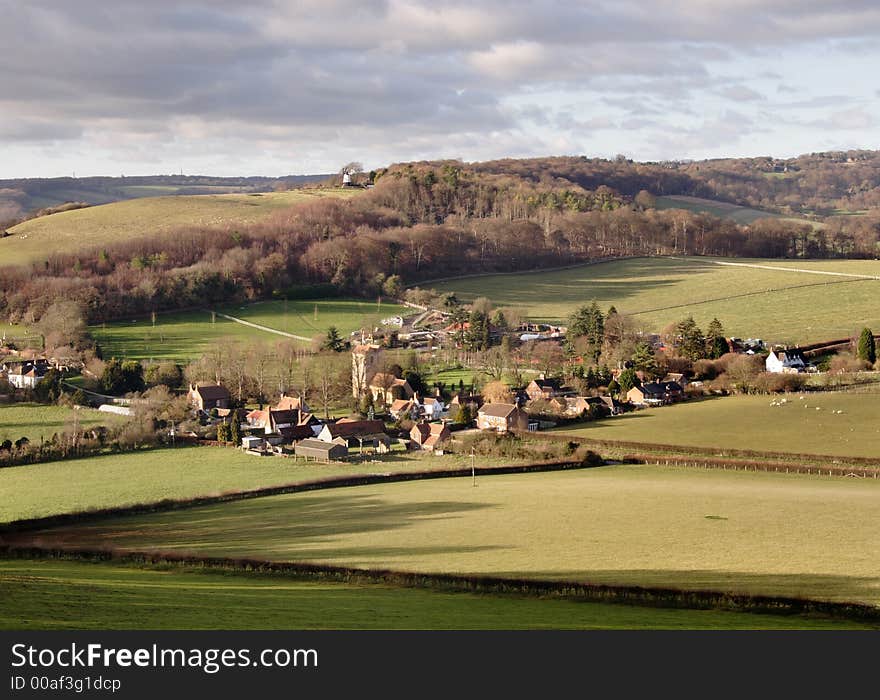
(385, 388)
(429, 435)
(502, 417)
(655, 393)
(25, 374)
(546, 389)
(321, 451)
(357, 430)
(205, 396)
(432, 408)
(613, 405)
(463, 398)
(288, 403)
(575, 406)
(402, 408)
(785, 361)
(676, 377)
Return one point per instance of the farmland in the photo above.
(723, 210)
(188, 335)
(780, 305)
(756, 533)
(802, 425)
(56, 594)
(34, 421)
(95, 226)
(108, 481)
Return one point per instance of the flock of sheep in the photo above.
(782, 402)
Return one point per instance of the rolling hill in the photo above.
(778, 300)
(67, 231)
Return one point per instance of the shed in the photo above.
(320, 451)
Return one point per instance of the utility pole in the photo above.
(473, 468)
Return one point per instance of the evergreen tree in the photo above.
(588, 322)
(223, 432)
(333, 342)
(690, 340)
(627, 380)
(716, 343)
(234, 430)
(867, 349)
(644, 359)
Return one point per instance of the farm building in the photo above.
(360, 431)
(321, 451)
(205, 396)
(502, 417)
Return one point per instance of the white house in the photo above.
(787, 361)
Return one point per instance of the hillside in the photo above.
(20, 198)
(792, 302)
(723, 210)
(72, 231)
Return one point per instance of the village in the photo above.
(390, 414)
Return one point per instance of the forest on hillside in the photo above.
(422, 221)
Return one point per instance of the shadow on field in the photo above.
(834, 587)
(281, 528)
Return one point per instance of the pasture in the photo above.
(807, 425)
(56, 594)
(756, 533)
(80, 229)
(108, 481)
(723, 210)
(188, 335)
(780, 305)
(34, 421)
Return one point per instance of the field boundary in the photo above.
(595, 592)
(595, 261)
(866, 464)
(29, 524)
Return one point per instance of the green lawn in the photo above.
(757, 533)
(188, 335)
(94, 226)
(34, 421)
(776, 305)
(752, 423)
(145, 477)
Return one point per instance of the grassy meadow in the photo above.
(50, 488)
(784, 306)
(188, 335)
(33, 420)
(757, 533)
(723, 210)
(809, 425)
(55, 594)
(94, 226)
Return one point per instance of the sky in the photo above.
(274, 87)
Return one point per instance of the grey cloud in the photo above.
(741, 93)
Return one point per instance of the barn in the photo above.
(321, 451)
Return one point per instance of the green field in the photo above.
(188, 335)
(55, 594)
(723, 210)
(757, 533)
(94, 226)
(776, 305)
(752, 423)
(145, 477)
(34, 421)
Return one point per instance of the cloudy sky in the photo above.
(279, 87)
